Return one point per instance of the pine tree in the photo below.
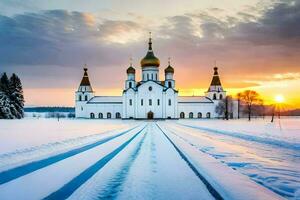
(16, 96)
(5, 104)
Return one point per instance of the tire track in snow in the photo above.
(209, 187)
(285, 190)
(269, 141)
(17, 172)
(114, 186)
(69, 188)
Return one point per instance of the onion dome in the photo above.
(150, 59)
(130, 70)
(169, 69)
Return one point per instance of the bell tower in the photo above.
(215, 90)
(83, 94)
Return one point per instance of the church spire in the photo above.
(215, 85)
(216, 79)
(85, 84)
(150, 42)
(85, 79)
(150, 60)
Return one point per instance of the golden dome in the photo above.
(169, 69)
(150, 59)
(130, 70)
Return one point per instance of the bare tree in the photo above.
(250, 98)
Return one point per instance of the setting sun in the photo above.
(279, 98)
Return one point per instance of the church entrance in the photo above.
(150, 115)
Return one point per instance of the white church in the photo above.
(149, 98)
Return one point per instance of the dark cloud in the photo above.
(243, 44)
(56, 37)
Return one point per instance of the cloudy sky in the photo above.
(256, 44)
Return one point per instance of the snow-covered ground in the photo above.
(120, 159)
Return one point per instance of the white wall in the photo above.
(204, 108)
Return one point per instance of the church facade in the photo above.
(149, 98)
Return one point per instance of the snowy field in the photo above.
(120, 159)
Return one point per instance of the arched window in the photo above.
(208, 115)
(108, 115)
(118, 115)
(215, 96)
(169, 84)
(130, 85)
(79, 98)
(170, 103)
(85, 97)
(142, 102)
(100, 116)
(199, 115)
(92, 115)
(130, 102)
(147, 77)
(182, 115)
(158, 102)
(221, 96)
(151, 76)
(191, 115)
(155, 76)
(150, 102)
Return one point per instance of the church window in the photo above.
(85, 97)
(221, 96)
(208, 115)
(142, 102)
(151, 76)
(170, 103)
(100, 116)
(108, 115)
(92, 115)
(150, 88)
(199, 115)
(81, 108)
(169, 84)
(147, 77)
(150, 102)
(158, 102)
(215, 96)
(191, 115)
(118, 115)
(156, 77)
(80, 98)
(130, 85)
(130, 102)
(182, 115)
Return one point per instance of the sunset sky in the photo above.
(256, 45)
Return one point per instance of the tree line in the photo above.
(11, 97)
(249, 104)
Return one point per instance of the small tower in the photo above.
(215, 90)
(130, 82)
(85, 91)
(83, 94)
(169, 72)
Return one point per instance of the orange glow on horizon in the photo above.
(65, 96)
